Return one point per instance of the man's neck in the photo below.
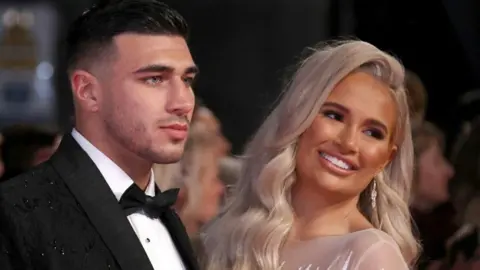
(138, 169)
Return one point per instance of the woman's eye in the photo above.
(377, 134)
(333, 115)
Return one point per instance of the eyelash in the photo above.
(159, 78)
(333, 115)
(375, 133)
(187, 80)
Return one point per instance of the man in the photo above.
(87, 207)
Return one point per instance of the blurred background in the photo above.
(244, 49)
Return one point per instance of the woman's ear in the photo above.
(391, 156)
(393, 153)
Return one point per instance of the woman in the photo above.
(326, 179)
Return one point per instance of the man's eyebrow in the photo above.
(156, 68)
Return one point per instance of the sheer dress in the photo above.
(369, 249)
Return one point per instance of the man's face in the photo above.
(146, 99)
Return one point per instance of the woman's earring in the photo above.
(373, 194)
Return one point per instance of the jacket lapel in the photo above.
(179, 236)
(95, 196)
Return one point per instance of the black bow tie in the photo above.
(134, 199)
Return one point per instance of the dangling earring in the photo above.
(373, 194)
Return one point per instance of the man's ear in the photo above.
(85, 89)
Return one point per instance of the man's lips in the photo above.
(178, 126)
(176, 131)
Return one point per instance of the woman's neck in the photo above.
(320, 214)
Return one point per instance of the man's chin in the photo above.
(168, 158)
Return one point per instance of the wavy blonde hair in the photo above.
(250, 231)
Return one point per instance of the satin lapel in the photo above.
(179, 236)
(96, 198)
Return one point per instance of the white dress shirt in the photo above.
(153, 235)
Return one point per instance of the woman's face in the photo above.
(350, 140)
(434, 173)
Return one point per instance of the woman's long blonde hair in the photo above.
(250, 231)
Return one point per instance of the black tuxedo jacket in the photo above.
(62, 215)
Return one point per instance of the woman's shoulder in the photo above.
(373, 247)
(364, 239)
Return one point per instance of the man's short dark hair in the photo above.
(91, 35)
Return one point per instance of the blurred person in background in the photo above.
(417, 96)
(229, 167)
(26, 147)
(466, 161)
(325, 182)
(229, 172)
(467, 117)
(465, 193)
(202, 174)
(204, 115)
(197, 177)
(433, 225)
(197, 173)
(448, 242)
(466, 184)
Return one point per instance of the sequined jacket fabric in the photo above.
(63, 216)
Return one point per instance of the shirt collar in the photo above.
(116, 178)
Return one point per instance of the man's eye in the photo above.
(153, 80)
(189, 80)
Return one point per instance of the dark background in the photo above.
(243, 49)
